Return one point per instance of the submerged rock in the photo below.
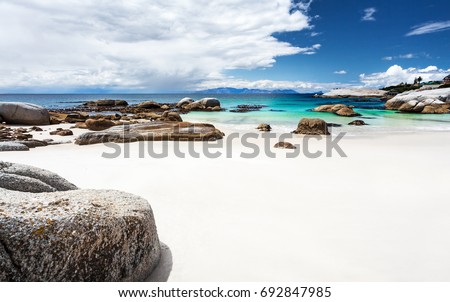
(357, 123)
(24, 114)
(247, 108)
(152, 131)
(312, 126)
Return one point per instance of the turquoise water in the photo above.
(280, 111)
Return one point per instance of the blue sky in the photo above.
(161, 46)
(352, 45)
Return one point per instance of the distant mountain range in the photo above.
(230, 90)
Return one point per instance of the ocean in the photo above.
(282, 111)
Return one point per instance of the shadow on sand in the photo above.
(162, 271)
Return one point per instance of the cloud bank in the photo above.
(396, 74)
(140, 45)
(299, 86)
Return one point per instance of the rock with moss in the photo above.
(65, 234)
(82, 235)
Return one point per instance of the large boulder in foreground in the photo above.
(82, 235)
(25, 178)
(312, 126)
(24, 114)
(153, 131)
(72, 235)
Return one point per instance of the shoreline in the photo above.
(362, 218)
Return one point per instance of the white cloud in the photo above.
(368, 14)
(134, 44)
(405, 56)
(429, 28)
(429, 68)
(396, 74)
(310, 50)
(314, 34)
(340, 72)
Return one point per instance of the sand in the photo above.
(380, 214)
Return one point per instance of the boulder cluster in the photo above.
(435, 101)
(338, 109)
(205, 104)
(20, 139)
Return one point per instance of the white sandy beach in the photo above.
(381, 214)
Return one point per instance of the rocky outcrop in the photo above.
(205, 104)
(353, 92)
(25, 178)
(184, 101)
(152, 131)
(284, 145)
(99, 125)
(24, 114)
(64, 234)
(339, 109)
(312, 126)
(264, 128)
(436, 101)
(357, 123)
